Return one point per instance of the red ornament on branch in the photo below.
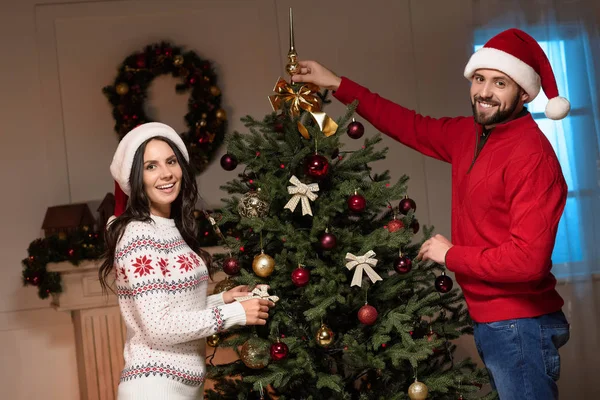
(403, 264)
(357, 203)
(300, 276)
(367, 314)
(407, 204)
(229, 162)
(231, 266)
(443, 283)
(395, 225)
(279, 350)
(328, 241)
(316, 166)
(415, 226)
(355, 129)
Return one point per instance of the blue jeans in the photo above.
(521, 355)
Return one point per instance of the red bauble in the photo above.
(231, 266)
(443, 283)
(316, 166)
(300, 276)
(140, 61)
(395, 225)
(279, 351)
(35, 280)
(328, 241)
(407, 204)
(229, 162)
(415, 226)
(355, 130)
(357, 203)
(403, 264)
(367, 314)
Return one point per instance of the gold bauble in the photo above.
(122, 89)
(224, 285)
(324, 336)
(255, 353)
(221, 114)
(178, 60)
(253, 205)
(215, 91)
(213, 340)
(263, 265)
(197, 214)
(418, 391)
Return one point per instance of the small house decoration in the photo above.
(64, 219)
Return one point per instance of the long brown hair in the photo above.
(138, 209)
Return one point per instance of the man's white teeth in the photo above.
(486, 105)
(169, 186)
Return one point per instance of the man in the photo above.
(508, 194)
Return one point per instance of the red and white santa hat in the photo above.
(122, 162)
(519, 56)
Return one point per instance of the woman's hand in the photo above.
(257, 311)
(238, 291)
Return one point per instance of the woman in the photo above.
(160, 279)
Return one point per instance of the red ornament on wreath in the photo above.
(407, 204)
(328, 241)
(231, 266)
(395, 225)
(357, 203)
(279, 350)
(355, 129)
(403, 264)
(300, 276)
(367, 314)
(316, 166)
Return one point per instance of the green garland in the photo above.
(206, 121)
(81, 244)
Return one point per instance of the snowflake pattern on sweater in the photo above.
(161, 286)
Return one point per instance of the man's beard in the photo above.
(499, 116)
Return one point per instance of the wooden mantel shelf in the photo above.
(81, 287)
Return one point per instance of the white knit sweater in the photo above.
(161, 286)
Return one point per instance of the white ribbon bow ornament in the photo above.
(259, 292)
(362, 263)
(301, 192)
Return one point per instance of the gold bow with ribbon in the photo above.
(301, 192)
(304, 99)
(362, 263)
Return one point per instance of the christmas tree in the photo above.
(357, 317)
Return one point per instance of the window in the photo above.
(575, 250)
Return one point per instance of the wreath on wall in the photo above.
(205, 119)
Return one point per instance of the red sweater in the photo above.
(506, 203)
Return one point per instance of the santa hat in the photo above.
(122, 162)
(519, 56)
